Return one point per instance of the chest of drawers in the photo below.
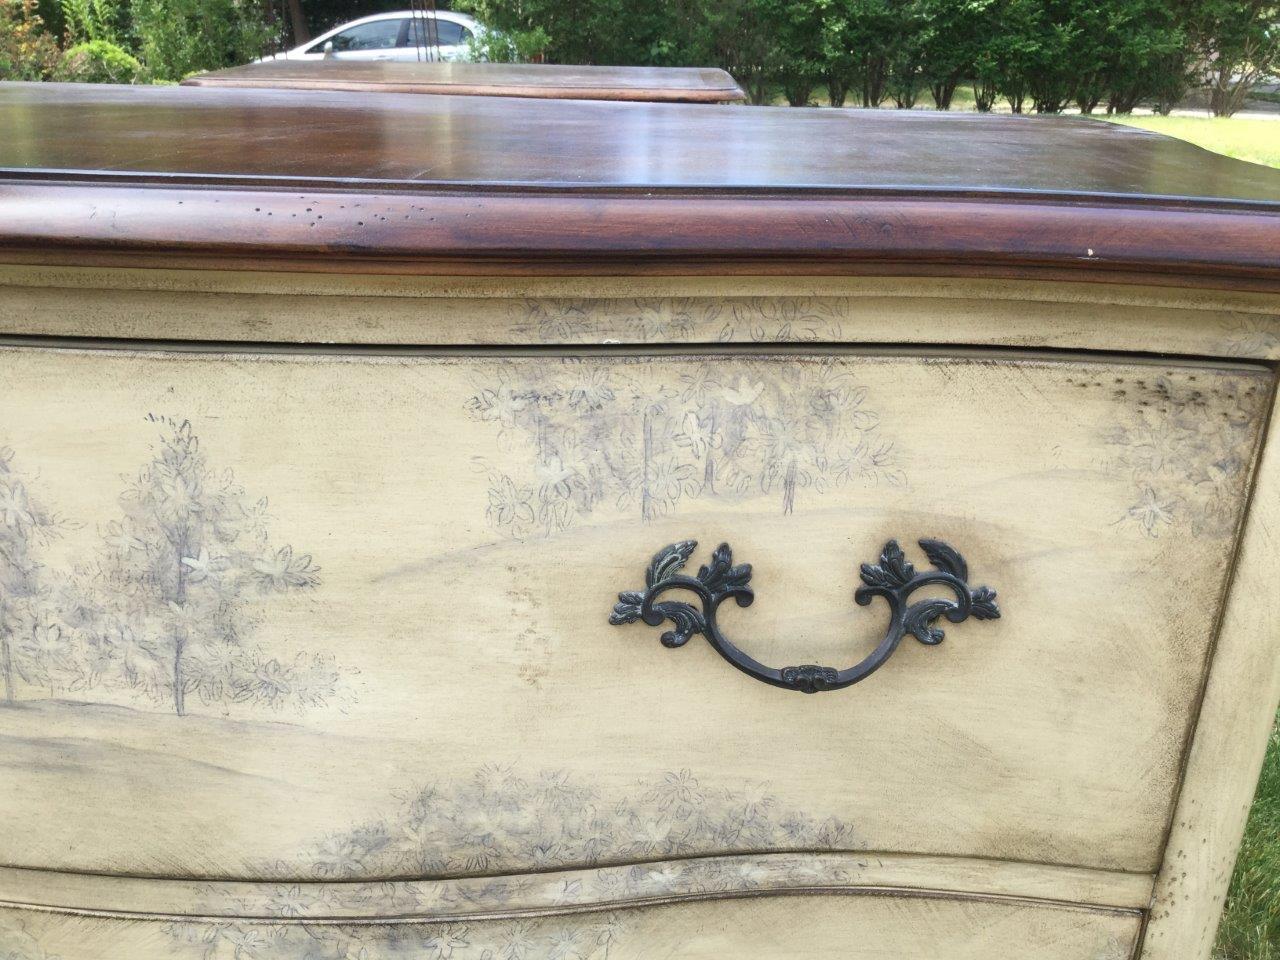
(450, 529)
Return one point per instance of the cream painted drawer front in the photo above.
(390, 579)
(812, 927)
(287, 635)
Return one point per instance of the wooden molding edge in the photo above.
(506, 231)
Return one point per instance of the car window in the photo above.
(447, 33)
(378, 35)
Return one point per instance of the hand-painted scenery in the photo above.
(572, 937)
(688, 319)
(29, 639)
(500, 821)
(1185, 451)
(579, 436)
(167, 607)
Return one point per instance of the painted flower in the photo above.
(442, 945)
(14, 509)
(699, 435)
(200, 567)
(554, 478)
(271, 682)
(564, 943)
(181, 492)
(185, 617)
(509, 505)
(122, 542)
(282, 570)
(1153, 512)
(593, 389)
(292, 901)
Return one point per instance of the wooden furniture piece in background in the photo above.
(350, 446)
(655, 84)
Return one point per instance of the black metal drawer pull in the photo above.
(893, 578)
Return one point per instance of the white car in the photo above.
(406, 35)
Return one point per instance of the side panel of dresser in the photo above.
(1235, 721)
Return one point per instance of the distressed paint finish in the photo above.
(1227, 751)
(470, 898)
(349, 498)
(805, 927)
(923, 311)
(372, 463)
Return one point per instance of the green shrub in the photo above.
(98, 61)
(27, 51)
(90, 20)
(495, 46)
(181, 37)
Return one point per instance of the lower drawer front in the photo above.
(347, 617)
(806, 927)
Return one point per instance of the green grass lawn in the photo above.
(1250, 928)
(1245, 138)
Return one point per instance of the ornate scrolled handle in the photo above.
(893, 578)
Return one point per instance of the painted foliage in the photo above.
(167, 607)
(498, 820)
(688, 319)
(1187, 448)
(31, 641)
(580, 435)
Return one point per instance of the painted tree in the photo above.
(183, 573)
(30, 643)
(583, 433)
(807, 428)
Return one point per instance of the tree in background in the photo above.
(180, 37)
(864, 34)
(798, 49)
(27, 50)
(1238, 42)
(594, 32)
(907, 51)
(93, 31)
(1051, 75)
(87, 20)
(1013, 50)
(952, 34)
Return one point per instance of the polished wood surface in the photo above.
(514, 233)
(653, 84)
(237, 136)
(501, 185)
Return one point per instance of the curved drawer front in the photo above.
(322, 617)
(814, 926)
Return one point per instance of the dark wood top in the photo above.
(390, 176)
(654, 84)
